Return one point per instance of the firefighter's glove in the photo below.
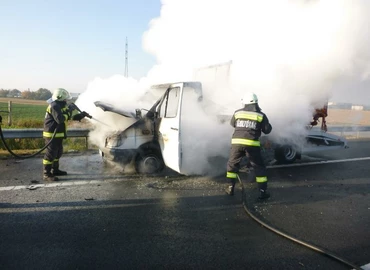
(78, 117)
(85, 114)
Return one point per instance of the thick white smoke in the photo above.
(292, 54)
(118, 91)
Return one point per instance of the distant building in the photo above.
(357, 108)
(348, 106)
(337, 105)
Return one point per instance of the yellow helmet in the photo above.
(60, 94)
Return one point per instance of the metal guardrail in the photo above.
(37, 133)
(350, 132)
(348, 128)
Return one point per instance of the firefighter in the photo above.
(56, 117)
(248, 123)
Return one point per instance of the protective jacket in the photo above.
(57, 114)
(248, 124)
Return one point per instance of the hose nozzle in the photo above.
(73, 106)
(86, 114)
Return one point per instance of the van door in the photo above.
(169, 127)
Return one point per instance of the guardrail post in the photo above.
(9, 113)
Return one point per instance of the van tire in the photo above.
(286, 154)
(149, 163)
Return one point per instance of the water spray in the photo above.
(73, 106)
(99, 121)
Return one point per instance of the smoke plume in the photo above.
(292, 54)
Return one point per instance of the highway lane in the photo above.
(99, 218)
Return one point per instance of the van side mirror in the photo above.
(150, 114)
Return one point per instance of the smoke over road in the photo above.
(293, 54)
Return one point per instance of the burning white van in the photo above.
(160, 137)
(153, 140)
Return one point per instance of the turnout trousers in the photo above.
(54, 151)
(253, 153)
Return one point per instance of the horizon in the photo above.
(333, 101)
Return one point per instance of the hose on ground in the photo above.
(294, 239)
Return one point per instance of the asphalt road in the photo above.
(99, 218)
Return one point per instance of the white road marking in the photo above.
(58, 184)
(68, 208)
(78, 183)
(366, 266)
(318, 162)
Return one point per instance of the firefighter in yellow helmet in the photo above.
(248, 123)
(56, 117)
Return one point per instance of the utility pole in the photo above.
(126, 59)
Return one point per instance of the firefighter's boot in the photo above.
(263, 191)
(48, 176)
(230, 188)
(55, 170)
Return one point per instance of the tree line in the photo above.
(41, 94)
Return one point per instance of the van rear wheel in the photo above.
(148, 163)
(286, 154)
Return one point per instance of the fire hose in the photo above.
(26, 156)
(311, 246)
(72, 107)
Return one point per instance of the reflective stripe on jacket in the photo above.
(249, 122)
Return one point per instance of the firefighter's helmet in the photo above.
(60, 94)
(249, 98)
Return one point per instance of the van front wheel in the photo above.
(148, 163)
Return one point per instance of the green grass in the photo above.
(23, 115)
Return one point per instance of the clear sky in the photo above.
(53, 43)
